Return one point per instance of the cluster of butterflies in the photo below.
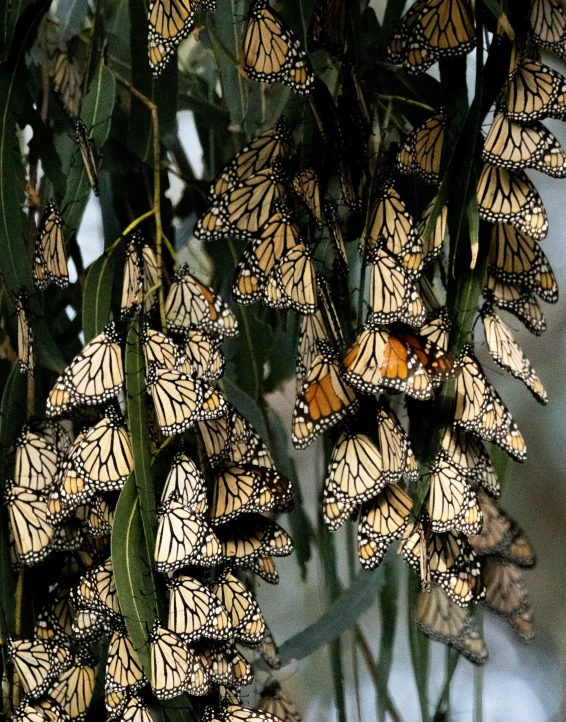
(64, 495)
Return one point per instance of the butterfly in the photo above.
(382, 520)
(185, 484)
(203, 354)
(180, 401)
(247, 488)
(86, 147)
(292, 282)
(25, 335)
(66, 81)
(436, 329)
(160, 349)
(195, 611)
(49, 259)
(430, 30)
(96, 591)
(268, 650)
(45, 710)
(513, 145)
(274, 702)
(452, 504)
(323, 399)
(433, 242)
(133, 284)
(327, 28)
(444, 621)
(306, 185)
(421, 152)
(336, 237)
(123, 669)
(32, 531)
(534, 92)
(36, 460)
(520, 302)
(272, 53)
(480, 410)
(94, 376)
(252, 536)
(516, 258)
(232, 438)
(104, 457)
(89, 625)
(397, 457)
(224, 664)
(501, 537)
(135, 710)
(100, 517)
(507, 353)
(392, 294)
(38, 663)
(265, 568)
(548, 25)
(446, 559)
(353, 476)
(510, 197)
(471, 458)
(54, 621)
(174, 667)
(248, 624)
(183, 538)
(378, 359)
(190, 304)
(506, 595)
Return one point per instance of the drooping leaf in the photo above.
(97, 296)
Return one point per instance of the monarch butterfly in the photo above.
(512, 145)
(237, 713)
(353, 476)
(232, 438)
(248, 624)
(123, 669)
(264, 567)
(54, 621)
(33, 533)
(430, 30)
(507, 353)
(469, 455)
(535, 92)
(104, 457)
(151, 277)
(521, 303)
(49, 259)
(480, 411)
(440, 365)
(278, 236)
(174, 667)
(224, 664)
(324, 399)
(136, 711)
(89, 625)
(44, 710)
(185, 484)
(421, 152)
(548, 25)
(245, 207)
(272, 53)
(132, 286)
(392, 295)
(436, 329)
(191, 304)
(446, 559)
(96, 591)
(94, 376)
(194, 611)
(501, 537)
(317, 329)
(292, 282)
(240, 489)
(433, 242)
(382, 520)
(203, 354)
(506, 595)
(169, 24)
(66, 83)
(183, 538)
(36, 461)
(397, 456)
(38, 663)
(515, 258)
(180, 401)
(510, 197)
(274, 702)
(444, 621)
(159, 349)
(252, 536)
(306, 185)
(378, 360)
(86, 147)
(25, 334)
(452, 504)
(100, 517)
(336, 237)
(268, 650)
(327, 28)
(391, 225)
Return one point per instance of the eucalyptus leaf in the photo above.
(97, 295)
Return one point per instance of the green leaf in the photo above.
(96, 113)
(388, 618)
(244, 403)
(419, 646)
(71, 15)
(497, 11)
(341, 615)
(97, 295)
(46, 348)
(132, 562)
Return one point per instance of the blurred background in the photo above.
(521, 683)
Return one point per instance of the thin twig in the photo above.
(375, 672)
